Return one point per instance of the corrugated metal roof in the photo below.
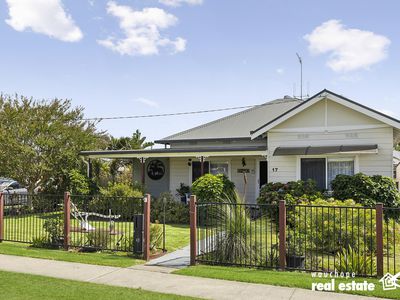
(172, 152)
(237, 125)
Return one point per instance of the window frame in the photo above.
(332, 157)
(210, 161)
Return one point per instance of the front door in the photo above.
(314, 168)
(263, 176)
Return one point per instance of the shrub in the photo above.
(228, 187)
(366, 190)
(79, 184)
(231, 242)
(293, 192)
(156, 234)
(120, 190)
(349, 260)
(54, 228)
(209, 188)
(182, 190)
(41, 203)
(176, 212)
(98, 239)
(121, 198)
(40, 242)
(329, 229)
(295, 243)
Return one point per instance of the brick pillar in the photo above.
(379, 239)
(193, 229)
(146, 227)
(282, 235)
(1, 217)
(67, 219)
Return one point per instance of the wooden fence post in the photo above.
(379, 239)
(67, 219)
(193, 230)
(282, 235)
(146, 227)
(1, 217)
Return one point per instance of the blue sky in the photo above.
(134, 57)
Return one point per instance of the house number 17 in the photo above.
(274, 169)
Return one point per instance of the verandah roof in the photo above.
(319, 150)
(181, 152)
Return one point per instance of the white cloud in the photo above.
(142, 31)
(280, 71)
(176, 3)
(43, 16)
(350, 49)
(147, 102)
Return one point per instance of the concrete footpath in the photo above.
(159, 279)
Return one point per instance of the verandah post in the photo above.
(379, 239)
(193, 229)
(1, 217)
(67, 221)
(282, 234)
(146, 227)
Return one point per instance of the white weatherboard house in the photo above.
(279, 141)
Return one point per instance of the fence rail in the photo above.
(29, 218)
(363, 240)
(391, 240)
(237, 234)
(89, 223)
(104, 223)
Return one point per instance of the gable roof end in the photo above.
(326, 94)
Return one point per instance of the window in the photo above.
(219, 168)
(14, 185)
(196, 169)
(324, 170)
(209, 167)
(343, 166)
(315, 169)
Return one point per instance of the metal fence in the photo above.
(106, 223)
(391, 240)
(33, 219)
(237, 234)
(90, 223)
(355, 239)
(331, 238)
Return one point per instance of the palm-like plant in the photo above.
(231, 240)
(136, 141)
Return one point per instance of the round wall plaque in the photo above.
(156, 169)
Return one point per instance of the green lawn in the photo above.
(15, 286)
(118, 259)
(26, 228)
(176, 236)
(290, 279)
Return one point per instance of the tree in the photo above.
(129, 143)
(136, 141)
(40, 141)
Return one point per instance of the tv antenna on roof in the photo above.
(301, 75)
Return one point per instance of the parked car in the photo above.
(13, 192)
